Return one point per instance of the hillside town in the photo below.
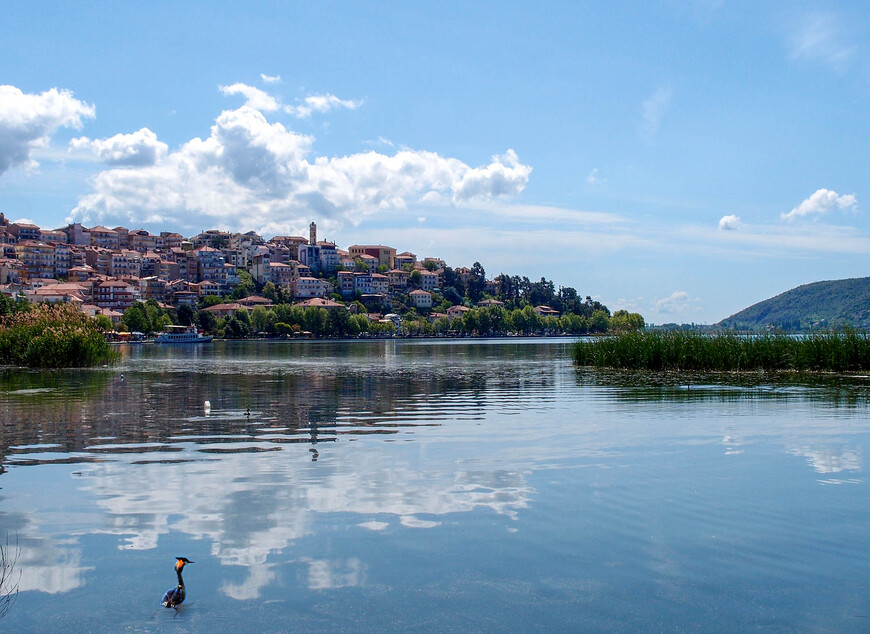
(107, 271)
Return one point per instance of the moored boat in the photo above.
(182, 334)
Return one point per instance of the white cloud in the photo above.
(264, 102)
(729, 223)
(593, 178)
(503, 178)
(654, 109)
(140, 148)
(795, 241)
(819, 37)
(254, 97)
(270, 79)
(27, 122)
(250, 173)
(821, 202)
(677, 302)
(320, 103)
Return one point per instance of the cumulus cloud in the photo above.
(819, 37)
(654, 109)
(320, 103)
(27, 122)
(254, 97)
(503, 178)
(270, 79)
(251, 172)
(140, 148)
(821, 202)
(729, 223)
(676, 302)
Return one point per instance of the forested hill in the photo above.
(818, 305)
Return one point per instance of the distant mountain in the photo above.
(817, 305)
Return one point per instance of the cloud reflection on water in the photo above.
(152, 466)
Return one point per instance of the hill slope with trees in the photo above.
(829, 304)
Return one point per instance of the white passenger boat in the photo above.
(182, 334)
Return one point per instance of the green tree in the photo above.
(476, 282)
(359, 323)
(9, 305)
(315, 319)
(243, 316)
(219, 242)
(185, 314)
(624, 321)
(599, 322)
(541, 293)
(103, 323)
(136, 318)
(206, 320)
(441, 325)
(235, 328)
(263, 320)
(245, 287)
(338, 322)
(210, 300)
(270, 292)
(415, 278)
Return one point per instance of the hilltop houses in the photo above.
(110, 268)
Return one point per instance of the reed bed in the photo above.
(688, 351)
(52, 336)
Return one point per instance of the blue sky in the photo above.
(680, 159)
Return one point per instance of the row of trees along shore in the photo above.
(60, 336)
(517, 315)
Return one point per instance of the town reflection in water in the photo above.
(250, 472)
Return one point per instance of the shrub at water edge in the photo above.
(52, 336)
(847, 351)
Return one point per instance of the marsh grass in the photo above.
(846, 351)
(52, 336)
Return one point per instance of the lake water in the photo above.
(431, 486)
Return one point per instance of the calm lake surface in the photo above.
(432, 486)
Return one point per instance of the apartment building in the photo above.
(421, 299)
(306, 287)
(24, 231)
(115, 294)
(105, 238)
(63, 259)
(398, 280)
(169, 240)
(142, 241)
(385, 256)
(283, 275)
(37, 258)
(405, 258)
(210, 265)
(429, 280)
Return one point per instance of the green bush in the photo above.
(52, 336)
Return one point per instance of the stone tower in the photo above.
(312, 234)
